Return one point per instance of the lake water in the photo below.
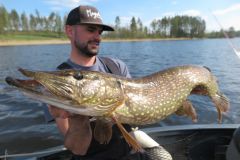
(22, 124)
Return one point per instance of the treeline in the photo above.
(167, 27)
(220, 34)
(12, 21)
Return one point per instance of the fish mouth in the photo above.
(37, 83)
(46, 83)
(33, 89)
(49, 87)
(28, 85)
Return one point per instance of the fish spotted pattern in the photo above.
(113, 99)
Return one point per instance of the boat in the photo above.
(184, 142)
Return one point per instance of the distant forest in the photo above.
(12, 22)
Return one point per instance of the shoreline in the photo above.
(59, 41)
(31, 42)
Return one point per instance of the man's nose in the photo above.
(97, 35)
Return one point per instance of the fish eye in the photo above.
(78, 76)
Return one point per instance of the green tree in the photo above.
(51, 20)
(165, 27)
(64, 19)
(117, 23)
(175, 26)
(145, 32)
(139, 25)
(33, 23)
(24, 20)
(58, 25)
(133, 27)
(202, 28)
(39, 21)
(154, 26)
(45, 24)
(14, 20)
(159, 28)
(3, 19)
(198, 27)
(231, 32)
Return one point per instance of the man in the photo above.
(84, 28)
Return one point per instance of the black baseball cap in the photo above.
(86, 15)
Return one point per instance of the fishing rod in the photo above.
(37, 154)
(237, 52)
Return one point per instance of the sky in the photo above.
(226, 11)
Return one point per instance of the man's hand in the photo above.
(75, 128)
(58, 113)
(79, 134)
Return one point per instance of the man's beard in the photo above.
(83, 48)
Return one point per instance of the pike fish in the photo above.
(114, 99)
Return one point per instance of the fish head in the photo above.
(80, 88)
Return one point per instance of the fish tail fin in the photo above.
(129, 139)
(222, 105)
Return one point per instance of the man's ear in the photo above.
(69, 31)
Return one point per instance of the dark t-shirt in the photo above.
(117, 147)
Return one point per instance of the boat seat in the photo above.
(233, 151)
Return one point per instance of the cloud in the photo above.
(233, 8)
(135, 14)
(168, 14)
(174, 2)
(191, 12)
(57, 5)
(228, 17)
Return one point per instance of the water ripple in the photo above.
(22, 119)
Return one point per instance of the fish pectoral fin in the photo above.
(129, 139)
(188, 110)
(103, 131)
(222, 105)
